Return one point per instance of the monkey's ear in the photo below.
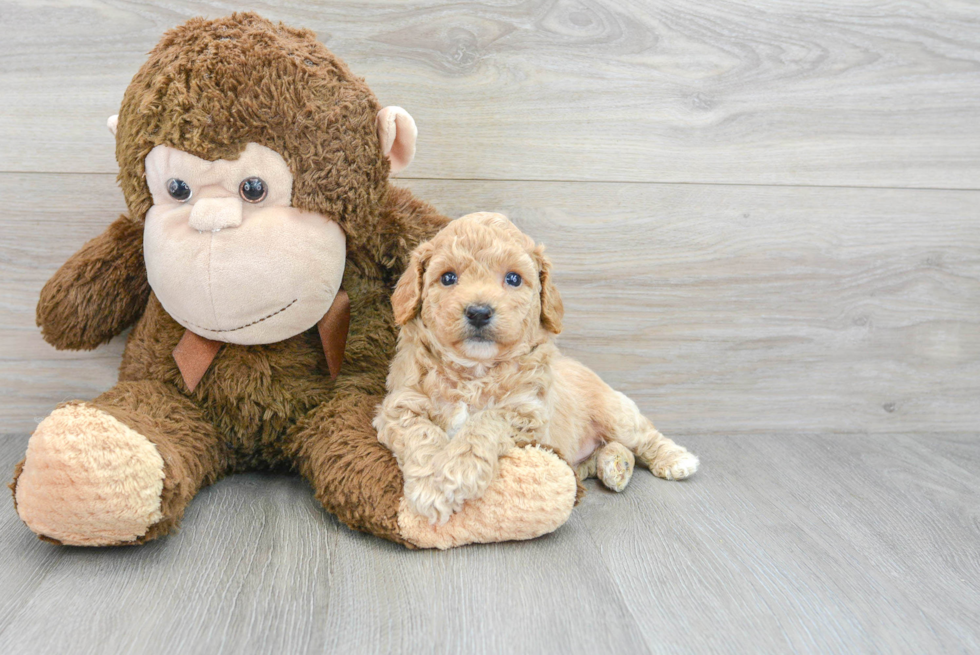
(552, 308)
(113, 123)
(397, 133)
(407, 298)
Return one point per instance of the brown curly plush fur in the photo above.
(208, 88)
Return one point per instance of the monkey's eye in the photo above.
(253, 189)
(178, 189)
(448, 279)
(513, 279)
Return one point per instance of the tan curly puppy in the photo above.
(477, 370)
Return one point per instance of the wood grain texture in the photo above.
(719, 309)
(774, 92)
(818, 543)
(807, 544)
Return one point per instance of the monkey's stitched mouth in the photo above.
(242, 327)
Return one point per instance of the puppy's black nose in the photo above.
(479, 315)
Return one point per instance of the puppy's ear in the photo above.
(552, 309)
(407, 298)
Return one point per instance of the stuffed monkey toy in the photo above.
(256, 264)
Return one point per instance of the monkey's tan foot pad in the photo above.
(533, 494)
(675, 464)
(614, 466)
(89, 480)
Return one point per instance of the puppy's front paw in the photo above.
(532, 494)
(462, 473)
(675, 465)
(464, 478)
(426, 497)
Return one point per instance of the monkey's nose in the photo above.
(478, 315)
(213, 214)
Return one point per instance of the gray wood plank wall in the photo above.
(770, 92)
(719, 308)
(811, 262)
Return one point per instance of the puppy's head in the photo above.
(481, 287)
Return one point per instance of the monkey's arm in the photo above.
(99, 292)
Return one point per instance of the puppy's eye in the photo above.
(448, 279)
(513, 279)
(253, 189)
(178, 189)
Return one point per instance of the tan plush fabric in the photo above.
(89, 480)
(533, 494)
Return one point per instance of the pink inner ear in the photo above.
(397, 133)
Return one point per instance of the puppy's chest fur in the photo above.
(512, 386)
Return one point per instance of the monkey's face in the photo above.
(227, 254)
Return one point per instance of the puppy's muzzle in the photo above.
(478, 315)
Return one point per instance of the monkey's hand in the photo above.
(99, 292)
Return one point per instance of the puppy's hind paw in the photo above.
(614, 466)
(676, 466)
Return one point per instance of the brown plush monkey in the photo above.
(257, 259)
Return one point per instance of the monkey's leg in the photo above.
(355, 477)
(119, 469)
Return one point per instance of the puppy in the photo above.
(477, 372)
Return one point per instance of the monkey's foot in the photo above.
(533, 494)
(88, 480)
(614, 466)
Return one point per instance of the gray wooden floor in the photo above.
(803, 543)
(765, 219)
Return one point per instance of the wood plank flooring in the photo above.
(765, 220)
(810, 544)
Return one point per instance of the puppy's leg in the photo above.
(415, 441)
(623, 422)
(467, 465)
(588, 468)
